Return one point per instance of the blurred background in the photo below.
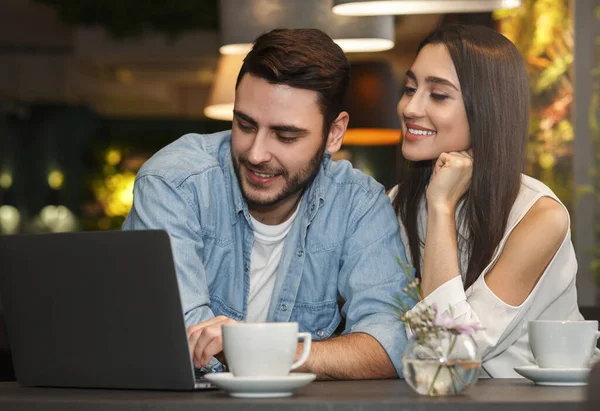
(89, 90)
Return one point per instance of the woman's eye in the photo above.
(409, 91)
(438, 97)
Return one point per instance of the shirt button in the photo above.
(320, 333)
(300, 253)
(283, 307)
(246, 266)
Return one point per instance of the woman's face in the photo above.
(431, 109)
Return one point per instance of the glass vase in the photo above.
(441, 363)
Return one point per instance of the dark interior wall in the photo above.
(38, 138)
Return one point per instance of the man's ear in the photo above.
(337, 132)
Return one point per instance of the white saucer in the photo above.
(554, 376)
(260, 387)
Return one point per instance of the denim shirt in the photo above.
(338, 260)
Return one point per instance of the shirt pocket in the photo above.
(319, 319)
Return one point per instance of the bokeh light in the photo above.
(56, 179)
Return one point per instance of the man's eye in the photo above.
(287, 140)
(245, 127)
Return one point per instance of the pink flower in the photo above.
(468, 328)
(443, 321)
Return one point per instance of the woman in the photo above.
(490, 245)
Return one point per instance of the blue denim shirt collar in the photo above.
(234, 186)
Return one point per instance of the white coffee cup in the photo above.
(563, 344)
(263, 349)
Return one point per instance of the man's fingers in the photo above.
(214, 347)
(205, 339)
(192, 340)
(208, 341)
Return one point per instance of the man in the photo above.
(266, 227)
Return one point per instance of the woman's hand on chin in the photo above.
(450, 180)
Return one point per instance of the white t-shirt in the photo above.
(504, 343)
(264, 259)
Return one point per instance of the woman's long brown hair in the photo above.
(495, 90)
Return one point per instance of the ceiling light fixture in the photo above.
(242, 21)
(387, 7)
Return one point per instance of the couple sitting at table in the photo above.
(266, 227)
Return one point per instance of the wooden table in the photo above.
(388, 395)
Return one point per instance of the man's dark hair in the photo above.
(305, 59)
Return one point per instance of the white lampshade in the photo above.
(387, 7)
(222, 92)
(242, 21)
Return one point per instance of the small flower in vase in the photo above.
(441, 357)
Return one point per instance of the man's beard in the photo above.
(294, 184)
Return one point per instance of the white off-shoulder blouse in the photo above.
(504, 343)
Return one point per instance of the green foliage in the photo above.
(549, 76)
(542, 31)
(130, 18)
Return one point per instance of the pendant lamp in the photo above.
(387, 7)
(241, 21)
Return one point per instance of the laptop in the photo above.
(96, 310)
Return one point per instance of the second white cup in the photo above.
(263, 349)
(563, 344)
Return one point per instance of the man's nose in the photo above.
(259, 151)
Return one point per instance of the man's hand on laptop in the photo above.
(206, 341)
